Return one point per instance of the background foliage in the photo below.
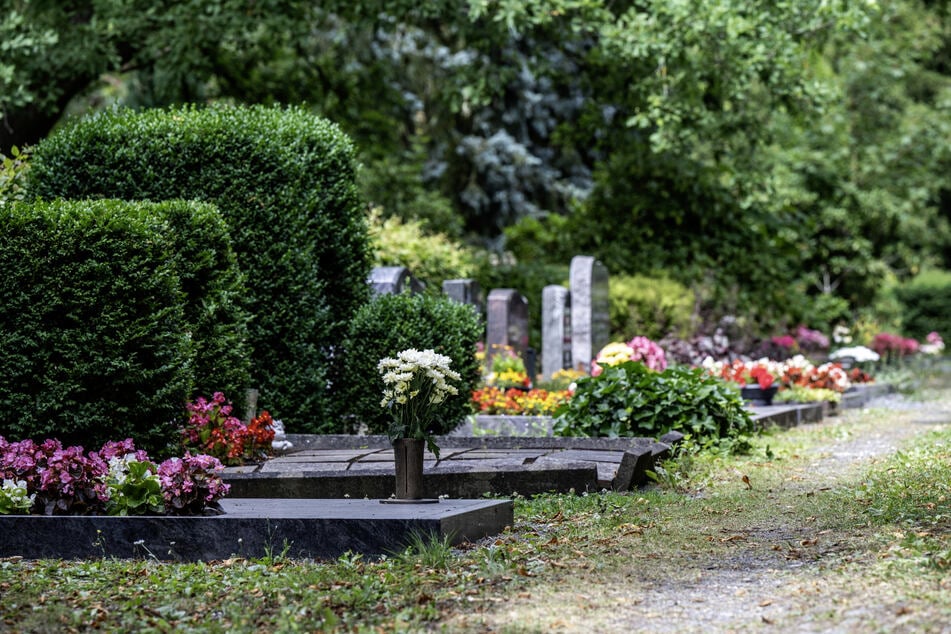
(783, 159)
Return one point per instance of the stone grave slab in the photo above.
(309, 528)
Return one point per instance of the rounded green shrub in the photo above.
(653, 307)
(390, 324)
(629, 399)
(284, 180)
(926, 304)
(95, 342)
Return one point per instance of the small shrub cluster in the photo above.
(926, 303)
(50, 479)
(389, 324)
(629, 399)
(655, 306)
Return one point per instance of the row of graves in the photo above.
(575, 320)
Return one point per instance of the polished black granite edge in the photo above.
(312, 529)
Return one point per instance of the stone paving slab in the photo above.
(487, 464)
(458, 480)
(308, 528)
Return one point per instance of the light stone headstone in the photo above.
(556, 330)
(386, 280)
(506, 321)
(590, 318)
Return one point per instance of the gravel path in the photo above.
(783, 576)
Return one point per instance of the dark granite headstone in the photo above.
(393, 279)
(464, 291)
(507, 321)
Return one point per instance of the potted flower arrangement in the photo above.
(415, 383)
(757, 379)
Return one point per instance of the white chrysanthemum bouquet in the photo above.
(415, 383)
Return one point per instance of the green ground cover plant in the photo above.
(629, 399)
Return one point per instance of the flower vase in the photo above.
(757, 395)
(408, 455)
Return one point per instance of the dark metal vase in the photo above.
(756, 395)
(408, 453)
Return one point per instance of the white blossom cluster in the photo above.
(415, 372)
(415, 383)
(13, 496)
(860, 354)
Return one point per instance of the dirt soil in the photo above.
(784, 571)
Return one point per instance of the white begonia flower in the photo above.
(859, 353)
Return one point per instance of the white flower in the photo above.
(859, 353)
(415, 382)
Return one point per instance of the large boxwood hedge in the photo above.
(99, 337)
(284, 181)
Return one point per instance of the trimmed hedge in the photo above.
(390, 324)
(102, 332)
(285, 182)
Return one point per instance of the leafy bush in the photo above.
(650, 306)
(927, 304)
(392, 323)
(284, 180)
(431, 258)
(13, 170)
(95, 336)
(629, 399)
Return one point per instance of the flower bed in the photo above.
(49, 479)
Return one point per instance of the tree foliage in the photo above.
(786, 155)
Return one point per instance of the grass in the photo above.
(574, 561)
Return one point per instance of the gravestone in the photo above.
(506, 321)
(387, 280)
(556, 330)
(464, 291)
(590, 320)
